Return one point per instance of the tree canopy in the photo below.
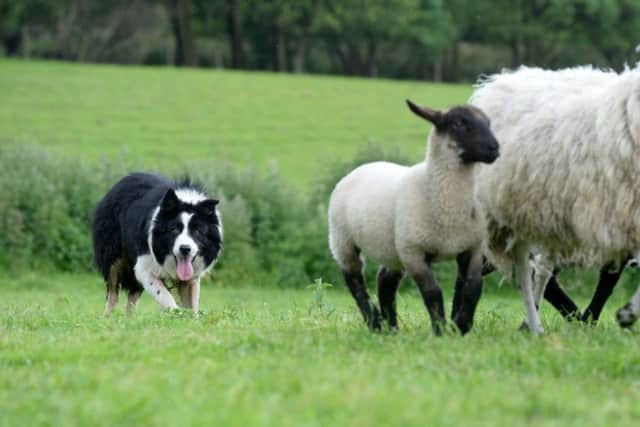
(425, 39)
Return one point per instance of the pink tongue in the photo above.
(184, 269)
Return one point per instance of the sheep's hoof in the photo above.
(625, 316)
(524, 326)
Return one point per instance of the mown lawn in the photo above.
(272, 357)
(160, 117)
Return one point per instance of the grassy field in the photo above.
(276, 358)
(161, 116)
(260, 355)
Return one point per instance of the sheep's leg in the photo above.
(558, 298)
(523, 279)
(358, 288)
(388, 283)
(432, 296)
(543, 270)
(468, 289)
(541, 273)
(487, 267)
(628, 314)
(609, 276)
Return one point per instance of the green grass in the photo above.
(159, 116)
(261, 357)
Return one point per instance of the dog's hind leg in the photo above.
(132, 301)
(113, 287)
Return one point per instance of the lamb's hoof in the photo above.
(439, 328)
(587, 317)
(625, 316)
(374, 322)
(461, 327)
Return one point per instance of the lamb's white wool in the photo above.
(567, 177)
(406, 217)
(426, 208)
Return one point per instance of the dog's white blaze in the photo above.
(184, 238)
(191, 196)
(220, 231)
(150, 235)
(147, 273)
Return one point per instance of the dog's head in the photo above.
(186, 233)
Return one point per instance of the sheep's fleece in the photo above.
(568, 176)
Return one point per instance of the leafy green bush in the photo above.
(272, 230)
(46, 203)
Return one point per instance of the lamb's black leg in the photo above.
(609, 276)
(558, 298)
(431, 294)
(358, 288)
(487, 267)
(468, 289)
(463, 265)
(388, 282)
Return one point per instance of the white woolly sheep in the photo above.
(405, 218)
(567, 177)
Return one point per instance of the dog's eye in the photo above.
(201, 230)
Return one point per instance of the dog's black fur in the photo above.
(144, 208)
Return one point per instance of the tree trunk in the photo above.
(234, 31)
(437, 68)
(300, 55)
(185, 44)
(372, 66)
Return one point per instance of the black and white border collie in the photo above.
(148, 232)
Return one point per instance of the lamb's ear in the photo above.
(170, 202)
(434, 116)
(208, 207)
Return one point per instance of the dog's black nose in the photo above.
(185, 250)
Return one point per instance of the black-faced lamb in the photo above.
(406, 218)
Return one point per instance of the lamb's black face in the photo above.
(470, 129)
(468, 126)
(186, 237)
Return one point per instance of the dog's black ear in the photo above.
(208, 207)
(170, 203)
(434, 116)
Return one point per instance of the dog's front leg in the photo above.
(195, 295)
(156, 288)
(190, 294)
